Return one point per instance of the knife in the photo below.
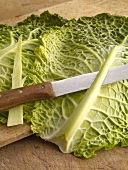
(49, 90)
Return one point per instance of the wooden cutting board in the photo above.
(106, 160)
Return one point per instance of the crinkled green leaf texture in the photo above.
(30, 29)
(78, 122)
(82, 122)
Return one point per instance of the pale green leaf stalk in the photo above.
(16, 114)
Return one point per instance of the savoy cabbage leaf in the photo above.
(30, 29)
(84, 122)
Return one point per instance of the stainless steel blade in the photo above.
(84, 81)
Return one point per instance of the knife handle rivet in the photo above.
(43, 86)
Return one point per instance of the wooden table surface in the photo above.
(32, 152)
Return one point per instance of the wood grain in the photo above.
(12, 8)
(78, 8)
(11, 134)
(34, 153)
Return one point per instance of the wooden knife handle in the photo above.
(15, 97)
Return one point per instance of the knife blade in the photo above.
(49, 90)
